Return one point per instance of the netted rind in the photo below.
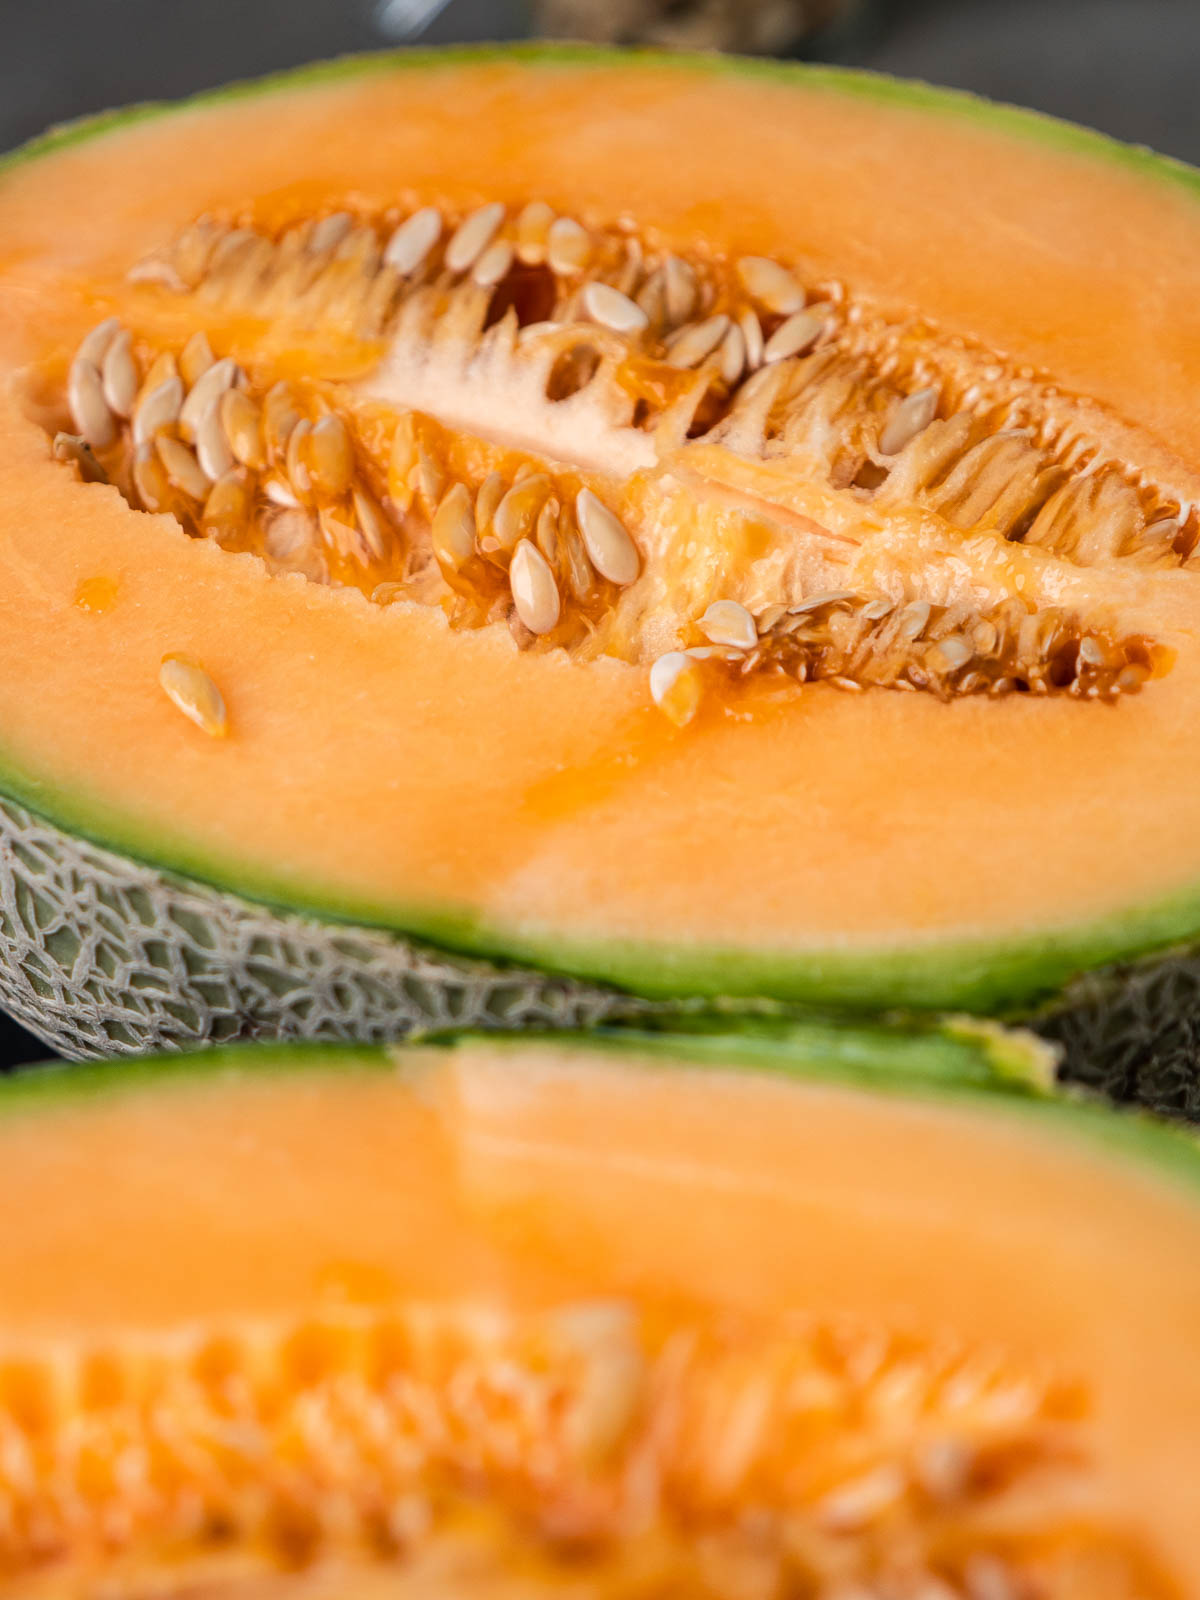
(101, 956)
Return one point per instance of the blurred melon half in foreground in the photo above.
(542, 1316)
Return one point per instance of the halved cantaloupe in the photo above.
(553, 1315)
(694, 528)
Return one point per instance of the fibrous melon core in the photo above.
(592, 1449)
(709, 463)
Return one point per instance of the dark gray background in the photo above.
(1126, 66)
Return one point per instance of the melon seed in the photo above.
(675, 686)
(189, 687)
(156, 408)
(534, 591)
(533, 228)
(772, 285)
(413, 240)
(797, 334)
(89, 409)
(94, 345)
(568, 247)
(120, 374)
(611, 551)
(452, 533)
(612, 309)
(472, 236)
(699, 339)
(728, 622)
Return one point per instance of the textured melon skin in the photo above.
(101, 956)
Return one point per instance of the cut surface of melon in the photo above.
(556, 1317)
(345, 678)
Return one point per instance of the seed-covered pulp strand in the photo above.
(812, 1457)
(286, 473)
(745, 350)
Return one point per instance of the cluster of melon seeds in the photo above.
(614, 448)
(658, 1454)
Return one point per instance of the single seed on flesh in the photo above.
(297, 463)
(679, 289)
(733, 355)
(877, 610)
(73, 447)
(695, 342)
(612, 309)
(534, 591)
(472, 236)
(209, 387)
(606, 539)
(516, 515)
(773, 286)
(182, 468)
(242, 422)
(796, 334)
(908, 418)
(452, 533)
(330, 457)
(568, 247)
(676, 686)
(157, 408)
(767, 619)
(150, 479)
(753, 335)
(94, 345)
(212, 447)
(652, 298)
(533, 226)
(195, 359)
(372, 523)
(192, 691)
(728, 622)
(493, 264)
(89, 409)
(1090, 652)
(952, 652)
(120, 374)
(413, 240)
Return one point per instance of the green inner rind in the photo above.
(917, 1071)
(983, 974)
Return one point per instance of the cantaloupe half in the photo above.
(377, 443)
(592, 1317)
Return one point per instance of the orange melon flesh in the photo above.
(379, 767)
(176, 1209)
